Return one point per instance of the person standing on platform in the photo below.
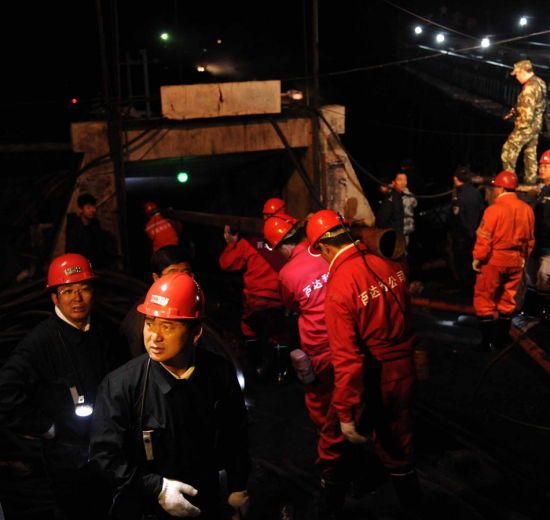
(49, 383)
(159, 229)
(527, 115)
(371, 339)
(410, 202)
(466, 211)
(505, 239)
(84, 235)
(169, 420)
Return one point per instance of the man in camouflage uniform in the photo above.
(527, 114)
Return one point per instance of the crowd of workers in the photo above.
(138, 422)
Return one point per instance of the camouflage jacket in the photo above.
(530, 105)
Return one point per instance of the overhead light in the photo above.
(165, 36)
(485, 42)
(440, 38)
(201, 68)
(418, 30)
(523, 21)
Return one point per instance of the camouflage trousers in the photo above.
(511, 149)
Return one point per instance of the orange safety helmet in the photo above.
(273, 206)
(69, 268)
(545, 158)
(277, 227)
(175, 296)
(150, 207)
(506, 179)
(323, 221)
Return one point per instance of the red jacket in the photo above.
(362, 315)
(261, 267)
(302, 285)
(161, 232)
(506, 236)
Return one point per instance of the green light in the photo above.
(183, 177)
(165, 36)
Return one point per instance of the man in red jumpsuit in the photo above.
(371, 340)
(262, 306)
(505, 238)
(302, 285)
(159, 229)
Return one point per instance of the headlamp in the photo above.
(81, 407)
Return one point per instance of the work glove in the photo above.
(229, 237)
(351, 433)
(172, 500)
(476, 265)
(510, 114)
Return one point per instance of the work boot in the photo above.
(503, 332)
(408, 491)
(488, 329)
(333, 496)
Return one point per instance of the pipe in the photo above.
(386, 243)
(443, 306)
(250, 225)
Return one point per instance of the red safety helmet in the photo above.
(150, 207)
(506, 179)
(69, 268)
(545, 158)
(323, 221)
(175, 296)
(273, 206)
(278, 227)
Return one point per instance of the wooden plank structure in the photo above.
(214, 135)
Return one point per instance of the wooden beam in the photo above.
(181, 102)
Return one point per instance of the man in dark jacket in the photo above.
(390, 213)
(85, 236)
(466, 211)
(169, 420)
(48, 387)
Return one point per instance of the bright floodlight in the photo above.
(523, 21)
(440, 38)
(201, 68)
(418, 29)
(165, 36)
(182, 177)
(485, 42)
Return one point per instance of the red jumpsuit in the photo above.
(161, 232)
(505, 238)
(371, 340)
(261, 288)
(302, 284)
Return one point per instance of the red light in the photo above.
(74, 101)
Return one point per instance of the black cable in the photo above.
(364, 170)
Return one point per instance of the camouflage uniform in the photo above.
(527, 114)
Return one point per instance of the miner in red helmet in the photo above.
(160, 230)
(262, 307)
(169, 420)
(49, 383)
(273, 206)
(371, 340)
(505, 239)
(302, 285)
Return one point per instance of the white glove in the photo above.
(351, 433)
(172, 500)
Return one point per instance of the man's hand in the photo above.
(510, 114)
(229, 237)
(172, 500)
(351, 434)
(476, 265)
